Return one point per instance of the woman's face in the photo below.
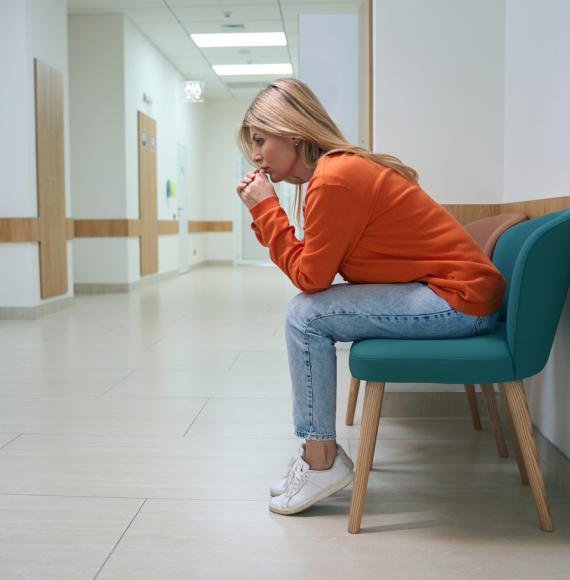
(277, 156)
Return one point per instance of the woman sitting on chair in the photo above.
(411, 269)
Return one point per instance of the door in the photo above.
(148, 202)
(182, 196)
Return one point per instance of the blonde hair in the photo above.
(287, 108)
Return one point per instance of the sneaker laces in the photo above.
(296, 477)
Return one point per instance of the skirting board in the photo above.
(32, 312)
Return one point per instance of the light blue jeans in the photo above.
(348, 312)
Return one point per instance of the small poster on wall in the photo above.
(170, 188)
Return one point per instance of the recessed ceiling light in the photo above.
(226, 70)
(239, 39)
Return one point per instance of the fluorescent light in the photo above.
(240, 39)
(225, 70)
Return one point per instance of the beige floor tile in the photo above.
(256, 418)
(413, 428)
(241, 540)
(274, 362)
(199, 360)
(180, 392)
(57, 382)
(439, 471)
(96, 415)
(145, 467)
(167, 383)
(59, 538)
(6, 438)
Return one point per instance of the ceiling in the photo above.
(169, 23)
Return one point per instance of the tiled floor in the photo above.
(139, 435)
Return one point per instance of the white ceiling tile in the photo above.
(244, 93)
(110, 5)
(239, 14)
(162, 30)
(292, 11)
(151, 16)
(167, 23)
(291, 27)
(321, 2)
(225, 4)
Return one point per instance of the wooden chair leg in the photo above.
(516, 446)
(516, 401)
(376, 432)
(473, 408)
(352, 400)
(370, 419)
(493, 410)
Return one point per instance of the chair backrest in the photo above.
(534, 257)
(487, 231)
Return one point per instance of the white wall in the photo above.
(439, 93)
(537, 142)
(108, 80)
(333, 80)
(473, 95)
(98, 142)
(223, 119)
(537, 97)
(97, 113)
(197, 204)
(148, 71)
(28, 29)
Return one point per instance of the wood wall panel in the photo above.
(537, 207)
(465, 213)
(198, 227)
(50, 162)
(101, 228)
(19, 230)
(147, 145)
(122, 228)
(69, 229)
(167, 227)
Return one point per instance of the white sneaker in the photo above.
(305, 487)
(279, 487)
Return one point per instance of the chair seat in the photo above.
(478, 359)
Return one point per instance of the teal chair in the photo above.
(534, 257)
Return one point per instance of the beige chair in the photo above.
(485, 232)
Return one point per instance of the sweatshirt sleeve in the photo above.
(335, 219)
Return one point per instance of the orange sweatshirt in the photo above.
(368, 223)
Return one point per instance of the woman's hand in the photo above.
(254, 187)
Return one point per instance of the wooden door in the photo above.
(148, 213)
(50, 166)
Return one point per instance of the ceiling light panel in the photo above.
(247, 55)
(218, 26)
(253, 69)
(240, 39)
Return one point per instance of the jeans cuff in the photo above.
(314, 436)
